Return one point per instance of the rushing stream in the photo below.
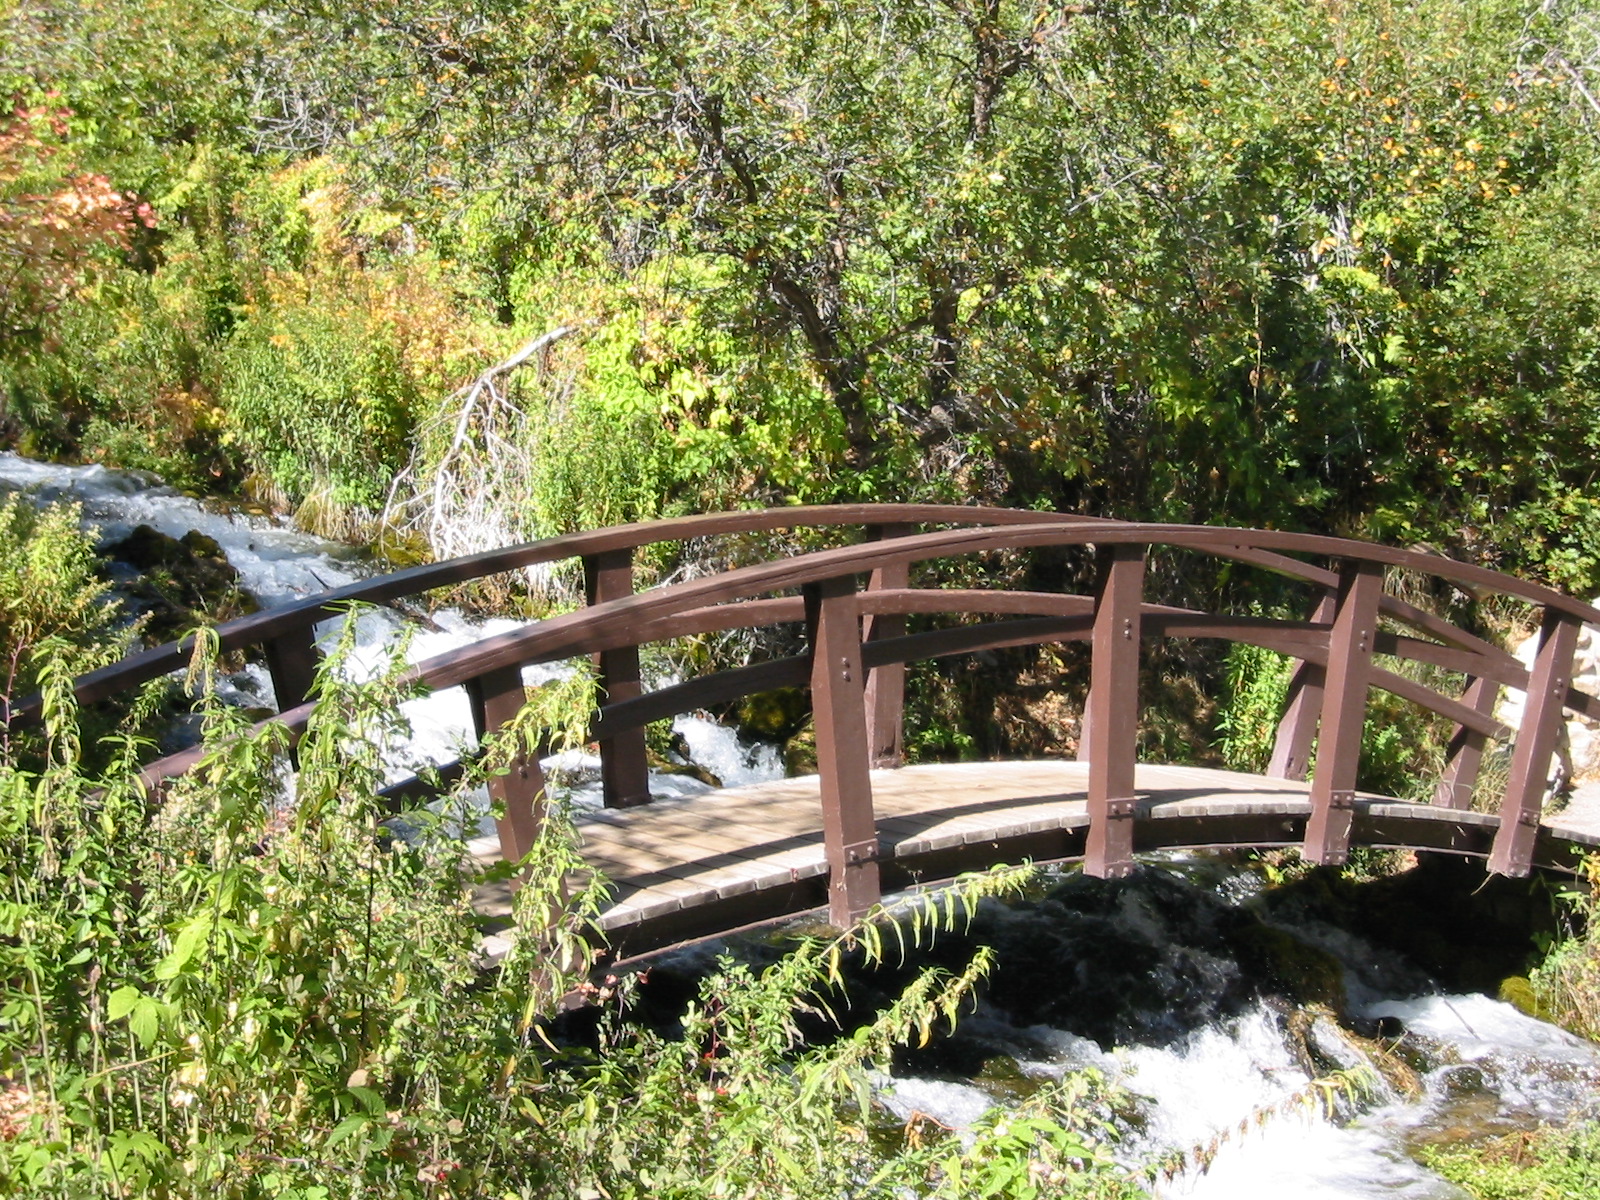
(1212, 1000)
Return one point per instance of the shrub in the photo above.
(263, 991)
(52, 604)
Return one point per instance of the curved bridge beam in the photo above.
(859, 639)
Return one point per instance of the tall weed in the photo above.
(252, 986)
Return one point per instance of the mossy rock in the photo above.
(774, 716)
(1000, 1076)
(800, 753)
(183, 582)
(1300, 971)
(1517, 991)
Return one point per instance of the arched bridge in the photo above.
(688, 867)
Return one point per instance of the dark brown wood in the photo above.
(843, 763)
(564, 636)
(1002, 527)
(618, 621)
(1291, 748)
(1465, 753)
(496, 698)
(1536, 742)
(1113, 712)
(886, 684)
(1295, 638)
(703, 692)
(292, 661)
(624, 765)
(1007, 812)
(1344, 702)
(904, 601)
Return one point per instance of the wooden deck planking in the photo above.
(681, 853)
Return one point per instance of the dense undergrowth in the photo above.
(256, 988)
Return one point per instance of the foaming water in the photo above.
(1259, 1098)
(722, 752)
(279, 565)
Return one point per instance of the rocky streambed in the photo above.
(1308, 1038)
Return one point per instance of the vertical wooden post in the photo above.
(624, 765)
(1291, 748)
(1344, 703)
(1112, 715)
(849, 828)
(886, 685)
(1465, 753)
(292, 660)
(1536, 740)
(496, 698)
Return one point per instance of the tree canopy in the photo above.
(1320, 265)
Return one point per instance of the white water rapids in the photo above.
(1236, 1086)
(280, 565)
(1485, 1066)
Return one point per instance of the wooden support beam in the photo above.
(292, 661)
(1112, 715)
(1344, 703)
(1291, 748)
(496, 698)
(886, 684)
(624, 765)
(1536, 741)
(850, 834)
(1465, 753)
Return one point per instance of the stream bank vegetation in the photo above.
(258, 989)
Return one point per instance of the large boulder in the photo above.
(175, 583)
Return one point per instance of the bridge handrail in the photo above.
(285, 631)
(1335, 650)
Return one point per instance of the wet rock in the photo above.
(774, 716)
(1453, 925)
(1001, 1077)
(677, 761)
(175, 583)
(800, 752)
(1465, 1080)
(1304, 972)
(1143, 960)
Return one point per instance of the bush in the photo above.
(262, 991)
(53, 606)
(319, 401)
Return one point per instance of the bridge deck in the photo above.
(685, 867)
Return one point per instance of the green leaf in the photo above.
(121, 1002)
(370, 1099)
(346, 1127)
(183, 948)
(145, 1021)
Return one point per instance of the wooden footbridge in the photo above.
(864, 824)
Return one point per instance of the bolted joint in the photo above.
(865, 851)
(1342, 800)
(1123, 808)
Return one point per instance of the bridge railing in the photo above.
(858, 644)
